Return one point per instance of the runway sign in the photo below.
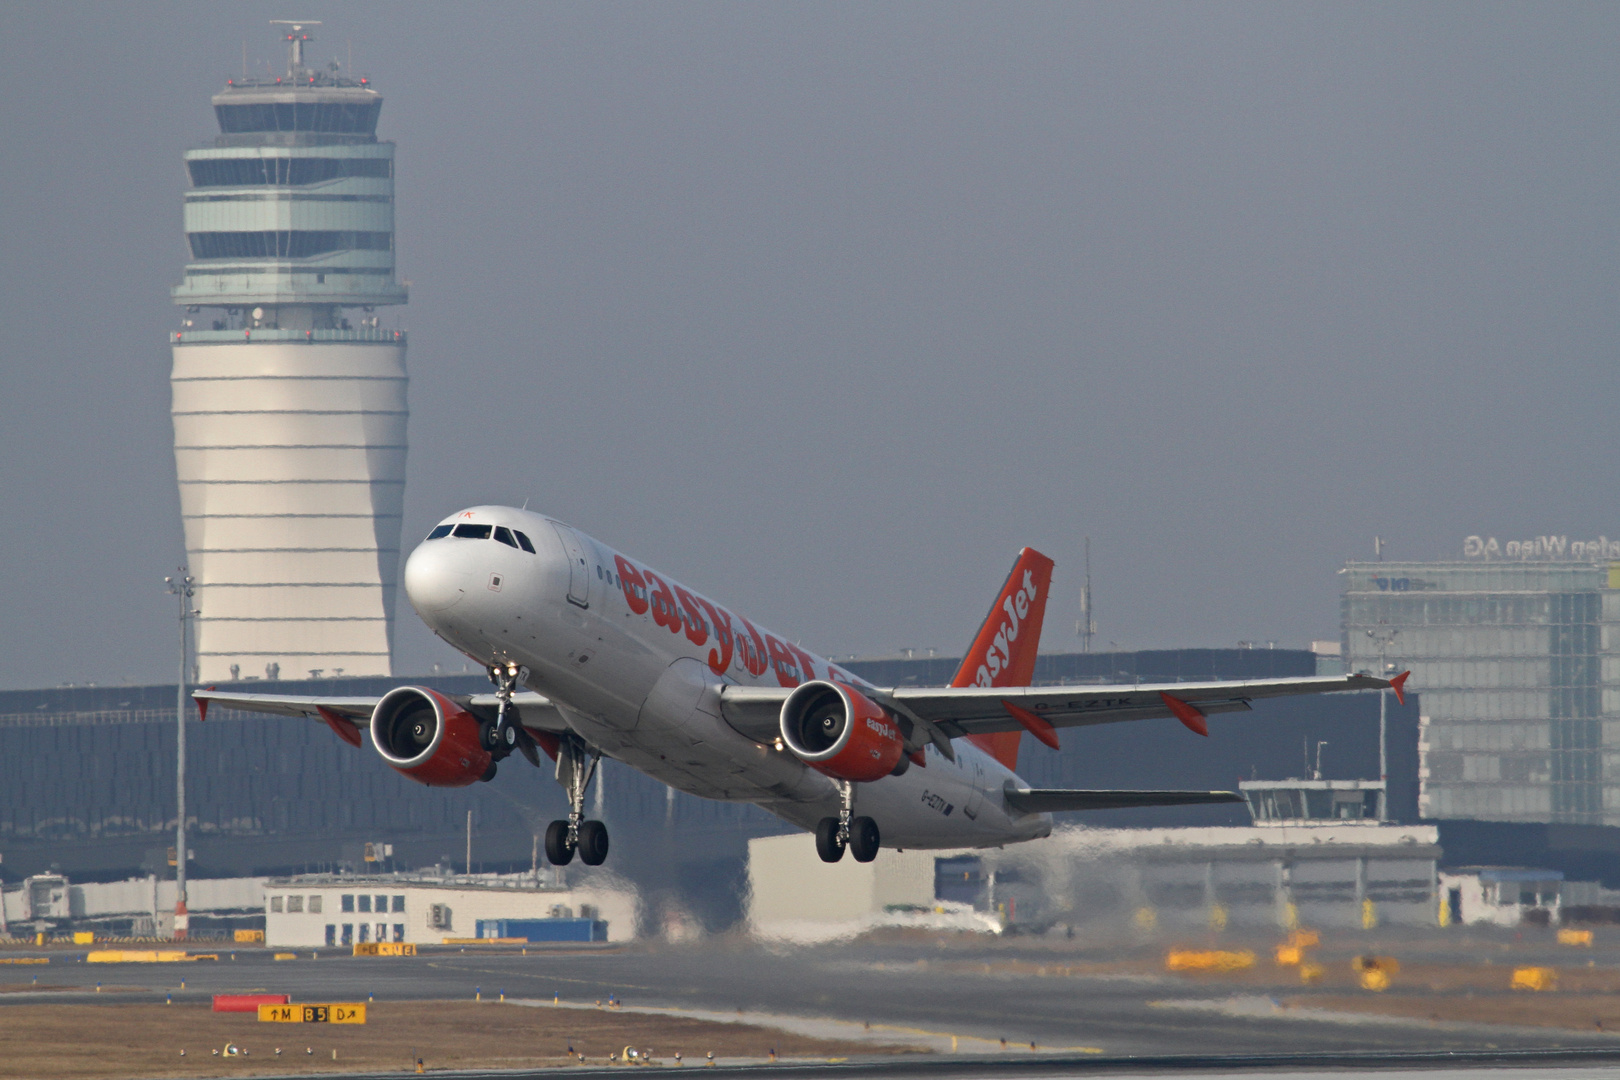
(313, 1014)
(384, 948)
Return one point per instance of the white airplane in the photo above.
(593, 654)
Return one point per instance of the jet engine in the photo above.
(430, 738)
(836, 730)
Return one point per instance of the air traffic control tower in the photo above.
(289, 398)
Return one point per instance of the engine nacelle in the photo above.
(429, 738)
(837, 730)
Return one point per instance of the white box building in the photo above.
(320, 911)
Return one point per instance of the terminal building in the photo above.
(288, 392)
(87, 781)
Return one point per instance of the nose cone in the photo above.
(436, 577)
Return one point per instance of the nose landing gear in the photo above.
(505, 733)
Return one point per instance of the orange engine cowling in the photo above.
(430, 738)
(835, 729)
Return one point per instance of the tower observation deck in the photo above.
(289, 397)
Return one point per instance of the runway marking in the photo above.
(1253, 1006)
(543, 978)
(816, 1027)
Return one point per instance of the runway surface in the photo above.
(899, 988)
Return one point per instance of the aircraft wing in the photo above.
(954, 711)
(1054, 800)
(535, 711)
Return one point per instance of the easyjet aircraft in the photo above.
(593, 654)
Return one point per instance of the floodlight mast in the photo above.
(181, 587)
(1383, 638)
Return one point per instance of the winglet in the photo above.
(1186, 714)
(202, 709)
(340, 727)
(1035, 725)
(1398, 684)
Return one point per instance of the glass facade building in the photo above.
(1518, 665)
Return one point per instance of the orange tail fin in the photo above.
(1003, 651)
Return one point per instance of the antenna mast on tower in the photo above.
(295, 43)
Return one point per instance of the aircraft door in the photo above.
(579, 577)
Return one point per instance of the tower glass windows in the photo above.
(284, 171)
(284, 243)
(337, 117)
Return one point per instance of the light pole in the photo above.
(1382, 638)
(180, 587)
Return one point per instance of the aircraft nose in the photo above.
(435, 577)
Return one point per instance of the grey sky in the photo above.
(826, 309)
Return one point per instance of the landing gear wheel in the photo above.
(558, 850)
(829, 845)
(489, 773)
(593, 843)
(863, 839)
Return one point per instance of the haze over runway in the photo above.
(830, 309)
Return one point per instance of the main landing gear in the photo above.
(576, 765)
(859, 834)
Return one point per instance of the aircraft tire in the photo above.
(828, 846)
(863, 839)
(558, 851)
(593, 843)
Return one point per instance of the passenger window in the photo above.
(468, 531)
(598, 573)
(523, 541)
(440, 531)
(504, 535)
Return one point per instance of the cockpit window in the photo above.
(468, 531)
(524, 541)
(440, 531)
(504, 535)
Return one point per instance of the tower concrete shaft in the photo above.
(289, 405)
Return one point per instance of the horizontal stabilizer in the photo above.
(1053, 800)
